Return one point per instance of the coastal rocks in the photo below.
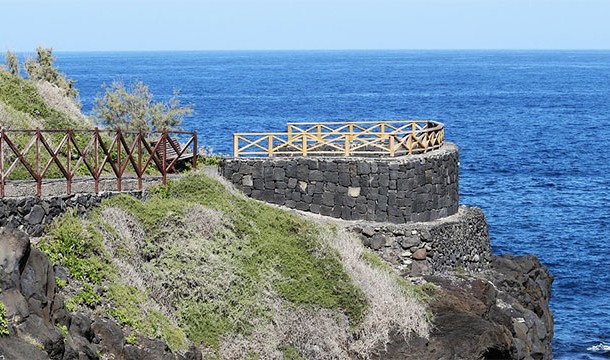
(486, 316)
(397, 190)
(456, 243)
(39, 325)
(483, 306)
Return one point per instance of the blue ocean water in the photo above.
(533, 130)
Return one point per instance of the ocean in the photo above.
(533, 129)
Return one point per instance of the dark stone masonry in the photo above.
(459, 242)
(398, 190)
(31, 214)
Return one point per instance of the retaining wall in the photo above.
(455, 243)
(402, 189)
(31, 214)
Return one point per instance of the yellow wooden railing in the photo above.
(361, 138)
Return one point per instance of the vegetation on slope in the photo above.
(199, 262)
(46, 99)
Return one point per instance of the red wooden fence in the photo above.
(93, 153)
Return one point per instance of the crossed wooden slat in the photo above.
(96, 154)
(344, 138)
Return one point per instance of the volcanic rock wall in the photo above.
(398, 190)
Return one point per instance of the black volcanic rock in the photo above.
(501, 314)
(34, 311)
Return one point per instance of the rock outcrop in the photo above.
(483, 306)
(40, 327)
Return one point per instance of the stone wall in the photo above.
(31, 214)
(398, 190)
(456, 243)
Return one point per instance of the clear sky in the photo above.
(89, 25)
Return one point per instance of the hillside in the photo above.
(28, 104)
(199, 263)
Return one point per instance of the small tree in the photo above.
(42, 69)
(133, 108)
(12, 62)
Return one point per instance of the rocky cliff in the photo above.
(37, 324)
(483, 306)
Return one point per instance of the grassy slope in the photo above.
(25, 104)
(199, 262)
(22, 106)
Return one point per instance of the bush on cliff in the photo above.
(132, 107)
(199, 262)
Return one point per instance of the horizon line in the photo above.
(322, 50)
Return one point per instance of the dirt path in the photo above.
(55, 187)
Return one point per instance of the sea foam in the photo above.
(601, 347)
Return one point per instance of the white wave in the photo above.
(599, 347)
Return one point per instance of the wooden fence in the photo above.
(95, 154)
(362, 138)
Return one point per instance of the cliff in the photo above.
(483, 306)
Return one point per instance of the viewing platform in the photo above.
(385, 171)
(386, 138)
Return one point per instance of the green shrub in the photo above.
(86, 296)
(131, 339)
(3, 321)
(290, 353)
(78, 248)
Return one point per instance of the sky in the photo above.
(136, 25)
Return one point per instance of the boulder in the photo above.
(38, 283)
(14, 252)
(16, 348)
(108, 336)
(45, 333)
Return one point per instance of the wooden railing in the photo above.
(363, 138)
(94, 154)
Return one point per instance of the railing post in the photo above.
(304, 136)
(235, 145)
(69, 163)
(391, 143)
(289, 135)
(195, 148)
(348, 138)
(139, 170)
(38, 174)
(164, 140)
(269, 145)
(118, 160)
(96, 145)
(412, 137)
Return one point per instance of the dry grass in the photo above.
(12, 119)
(391, 306)
(325, 334)
(201, 221)
(314, 332)
(56, 98)
(124, 249)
